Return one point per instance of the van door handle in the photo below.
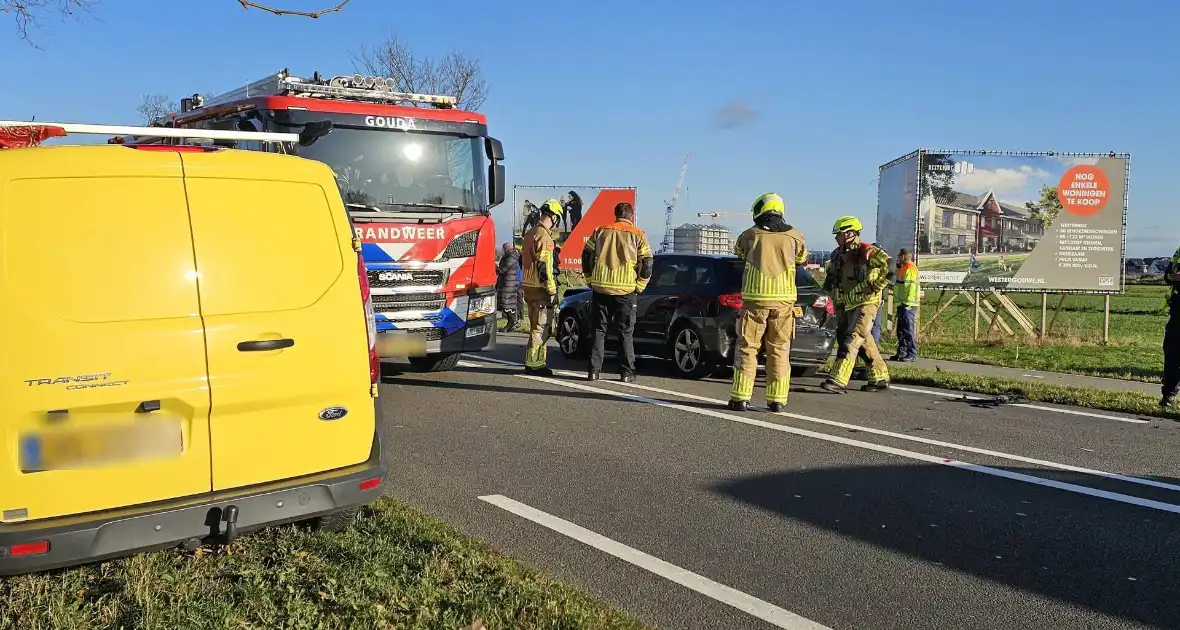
(265, 344)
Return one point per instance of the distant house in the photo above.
(966, 223)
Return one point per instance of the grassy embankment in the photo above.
(1073, 345)
(395, 568)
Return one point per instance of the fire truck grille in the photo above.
(409, 302)
(389, 279)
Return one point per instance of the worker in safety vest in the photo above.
(857, 275)
(770, 251)
(906, 293)
(539, 286)
(617, 263)
(1171, 385)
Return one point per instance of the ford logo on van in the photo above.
(333, 413)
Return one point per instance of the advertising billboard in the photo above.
(1021, 222)
(597, 208)
(897, 205)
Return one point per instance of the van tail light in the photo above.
(28, 549)
(370, 484)
(731, 300)
(825, 303)
(370, 320)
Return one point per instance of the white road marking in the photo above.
(942, 461)
(902, 436)
(931, 392)
(1074, 412)
(749, 604)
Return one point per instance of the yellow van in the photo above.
(183, 340)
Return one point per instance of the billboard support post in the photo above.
(1044, 312)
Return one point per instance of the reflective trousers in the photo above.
(854, 329)
(540, 326)
(775, 327)
(1171, 384)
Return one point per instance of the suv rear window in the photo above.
(731, 270)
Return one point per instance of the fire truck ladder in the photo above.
(149, 132)
(343, 87)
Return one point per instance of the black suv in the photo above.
(687, 315)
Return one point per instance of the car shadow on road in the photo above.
(1103, 555)
(540, 390)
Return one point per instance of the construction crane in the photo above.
(719, 214)
(670, 206)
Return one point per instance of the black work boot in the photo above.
(592, 375)
(739, 405)
(541, 371)
(832, 387)
(627, 378)
(875, 387)
(775, 407)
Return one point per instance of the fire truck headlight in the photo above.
(481, 306)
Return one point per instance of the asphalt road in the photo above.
(906, 509)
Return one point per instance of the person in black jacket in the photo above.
(573, 210)
(508, 286)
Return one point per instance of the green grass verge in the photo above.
(395, 568)
(1100, 399)
(1074, 344)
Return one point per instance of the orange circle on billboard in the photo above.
(1083, 190)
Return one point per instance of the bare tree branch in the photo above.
(28, 14)
(156, 108)
(246, 4)
(456, 74)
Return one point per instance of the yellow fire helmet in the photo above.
(770, 202)
(553, 207)
(847, 223)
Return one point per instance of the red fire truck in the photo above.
(419, 178)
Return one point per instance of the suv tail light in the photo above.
(731, 300)
(825, 303)
(370, 320)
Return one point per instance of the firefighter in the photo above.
(540, 286)
(770, 250)
(617, 263)
(857, 275)
(1171, 384)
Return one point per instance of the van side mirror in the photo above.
(496, 184)
(494, 148)
(313, 131)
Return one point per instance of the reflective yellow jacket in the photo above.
(770, 258)
(616, 259)
(856, 276)
(536, 260)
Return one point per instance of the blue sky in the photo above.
(614, 93)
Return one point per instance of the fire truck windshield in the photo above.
(384, 169)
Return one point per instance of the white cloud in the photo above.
(1007, 183)
(1075, 161)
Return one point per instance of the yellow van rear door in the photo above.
(102, 353)
(285, 324)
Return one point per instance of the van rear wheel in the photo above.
(334, 522)
(436, 362)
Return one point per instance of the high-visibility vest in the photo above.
(906, 290)
(770, 259)
(536, 260)
(618, 251)
(860, 275)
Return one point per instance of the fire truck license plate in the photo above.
(401, 344)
